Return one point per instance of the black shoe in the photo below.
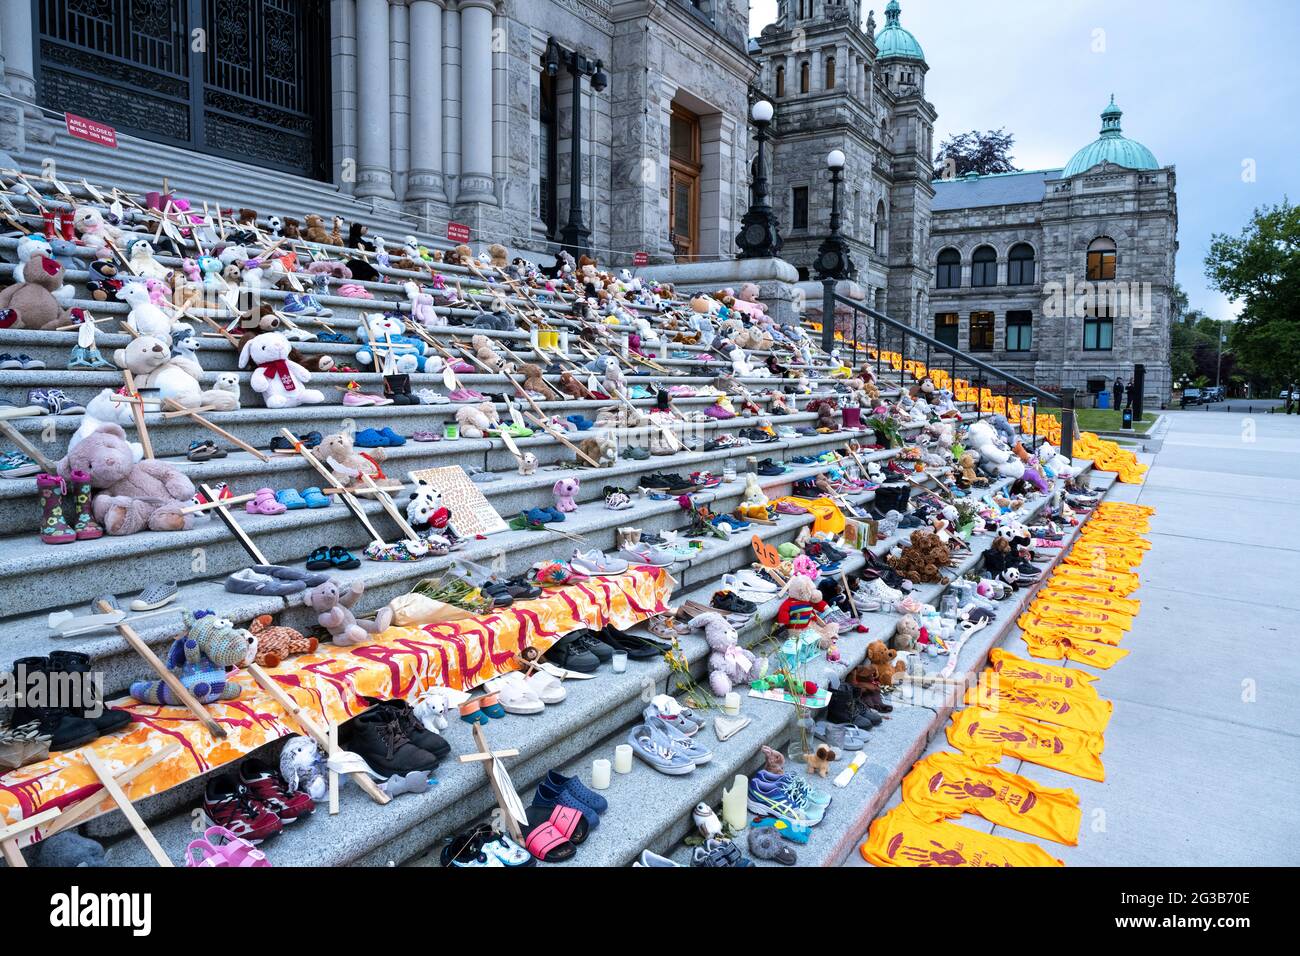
(378, 738)
(732, 603)
(567, 654)
(108, 719)
(843, 709)
(637, 648)
(589, 641)
(421, 736)
(65, 728)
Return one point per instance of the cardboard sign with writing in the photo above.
(767, 555)
(471, 514)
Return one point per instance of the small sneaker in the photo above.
(55, 401)
(229, 804)
(17, 465)
(155, 596)
(268, 787)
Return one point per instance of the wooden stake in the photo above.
(9, 835)
(488, 757)
(128, 810)
(223, 512)
(198, 419)
(82, 808)
(223, 503)
(137, 410)
(386, 503)
(353, 505)
(555, 433)
(164, 673)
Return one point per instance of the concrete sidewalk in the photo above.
(1203, 750)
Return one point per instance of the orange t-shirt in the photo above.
(987, 735)
(1050, 705)
(1011, 667)
(900, 838)
(1103, 633)
(1101, 656)
(946, 785)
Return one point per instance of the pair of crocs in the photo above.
(514, 431)
(264, 502)
(378, 438)
(332, 559)
(581, 422)
(544, 515)
(308, 498)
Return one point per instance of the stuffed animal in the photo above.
(140, 260)
(993, 458)
(798, 613)
(421, 304)
(883, 664)
(333, 607)
(304, 768)
(753, 492)
(153, 366)
(225, 392)
(820, 760)
(211, 646)
(476, 421)
(95, 232)
(337, 453)
(534, 383)
(600, 450)
(34, 302)
(485, 353)
(773, 760)
(131, 495)
(729, 664)
(528, 463)
(614, 381)
(105, 408)
(383, 336)
(571, 386)
(922, 559)
(316, 231)
(498, 255)
(906, 633)
(969, 476)
(278, 379)
(277, 643)
(565, 491)
(145, 317)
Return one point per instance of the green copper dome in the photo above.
(893, 42)
(1112, 147)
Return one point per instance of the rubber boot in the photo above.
(84, 524)
(48, 224)
(852, 417)
(108, 719)
(54, 529)
(65, 729)
(67, 226)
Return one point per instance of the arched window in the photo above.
(780, 81)
(830, 73)
(880, 238)
(984, 267)
(1020, 264)
(804, 73)
(948, 270)
(1101, 259)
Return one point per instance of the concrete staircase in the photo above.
(648, 810)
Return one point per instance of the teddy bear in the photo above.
(105, 408)
(277, 643)
(906, 633)
(337, 453)
(571, 386)
(798, 613)
(498, 255)
(729, 663)
(278, 379)
(140, 260)
(263, 319)
(130, 495)
(565, 491)
(95, 232)
(484, 352)
(382, 336)
(34, 302)
(600, 450)
(535, 383)
(333, 607)
(315, 231)
(969, 476)
(613, 380)
(176, 378)
(923, 557)
(476, 420)
(146, 317)
(883, 664)
(200, 659)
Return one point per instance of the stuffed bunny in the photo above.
(729, 663)
(333, 607)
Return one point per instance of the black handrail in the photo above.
(1037, 394)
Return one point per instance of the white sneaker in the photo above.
(881, 591)
(428, 396)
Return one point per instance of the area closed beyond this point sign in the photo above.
(457, 232)
(90, 130)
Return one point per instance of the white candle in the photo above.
(623, 758)
(731, 705)
(735, 811)
(619, 662)
(600, 774)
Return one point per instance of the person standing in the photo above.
(1117, 392)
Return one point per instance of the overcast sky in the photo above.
(1207, 86)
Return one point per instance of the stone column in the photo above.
(399, 80)
(425, 181)
(19, 40)
(477, 183)
(451, 104)
(374, 160)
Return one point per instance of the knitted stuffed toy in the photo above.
(276, 643)
(211, 646)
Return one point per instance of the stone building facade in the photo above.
(838, 84)
(1061, 276)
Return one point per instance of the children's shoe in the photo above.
(268, 787)
(54, 528)
(229, 804)
(17, 465)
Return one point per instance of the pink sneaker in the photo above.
(361, 398)
(466, 395)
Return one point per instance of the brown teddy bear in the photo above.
(277, 643)
(571, 386)
(534, 382)
(337, 452)
(291, 228)
(130, 496)
(316, 231)
(500, 257)
(883, 664)
(32, 301)
(484, 352)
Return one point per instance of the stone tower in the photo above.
(836, 86)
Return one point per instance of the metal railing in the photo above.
(886, 334)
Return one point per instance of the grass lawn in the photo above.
(1104, 419)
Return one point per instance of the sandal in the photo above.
(343, 559)
(221, 847)
(291, 499)
(319, 560)
(570, 822)
(515, 696)
(548, 843)
(265, 503)
(315, 498)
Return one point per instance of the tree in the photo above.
(1261, 267)
(975, 152)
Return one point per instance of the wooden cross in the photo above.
(502, 787)
(353, 505)
(10, 835)
(74, 814)
(137, 411)
(193, 414)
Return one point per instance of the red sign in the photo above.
(457, 232)
(641, 259)
(90, 130)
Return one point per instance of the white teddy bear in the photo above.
(279, 380)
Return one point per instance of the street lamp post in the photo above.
(760, 236)
(834, 261)
(575, 237)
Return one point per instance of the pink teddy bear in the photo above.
(565, 490)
